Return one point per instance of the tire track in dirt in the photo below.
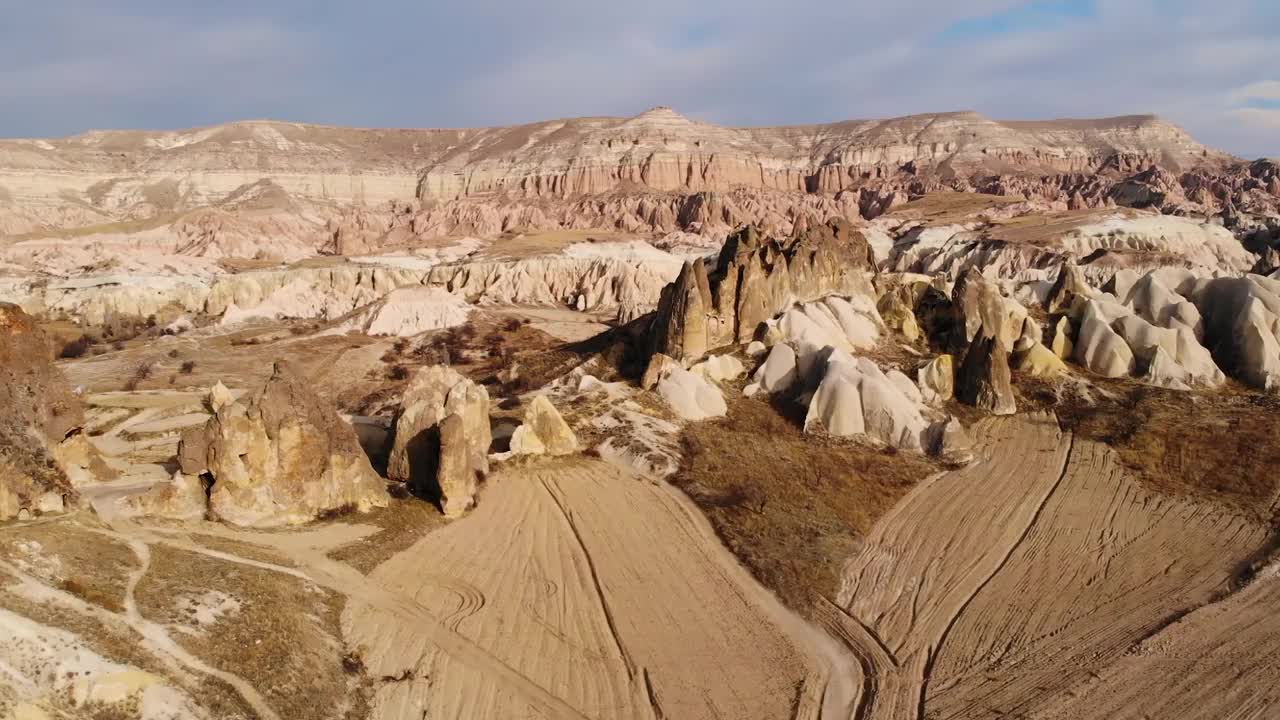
(646, 621)
(1225, 656)
(996, 585)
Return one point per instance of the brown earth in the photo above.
(791, 506)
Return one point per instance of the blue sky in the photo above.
(67, 66)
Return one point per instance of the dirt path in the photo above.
(597, 588)
(989, 588)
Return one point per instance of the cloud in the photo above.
(73, 64)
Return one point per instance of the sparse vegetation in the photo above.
(141, 372)
(791, 507)
(290, 655)
(187, 367)
(78, 347)
(1219, 444)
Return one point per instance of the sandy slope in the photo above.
(1186, 662)
(989, 589)
(596, 587)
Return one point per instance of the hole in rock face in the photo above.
(206, 479)
(423, 451)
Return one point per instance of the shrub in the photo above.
(188, 366)
(77, 348)
(512, 324)
(173, 353)
(397, 372)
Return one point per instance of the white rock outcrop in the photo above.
(407, 311)
(544, 431)
(856, 398)
(690, 396)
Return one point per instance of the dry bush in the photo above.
(1221, 444)
(173, 353)
(141, 372)
(77, 348)
(187, 367)
(397, 372)
(792, 507)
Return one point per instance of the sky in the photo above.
(67, 66)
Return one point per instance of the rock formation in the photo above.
(983, 379)
(182, 498)
(544, 431)
(282, 458)
(1154, 331)
(691, 396)
(755, 279)
(936, 379)
(43, 453)
(439, 466)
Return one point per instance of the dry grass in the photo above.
(791, 507)
(948, 207)
(1219, 445)
(405, 521)
(282, 638)
(93, 567)
(121, 645)
(243, 550)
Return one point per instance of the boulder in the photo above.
(936, 379)
(1164, 371)
(719, 368)
(434, 393)
(1062, 346)
(950, 442)
(983, 379)
(182, 498)
(1241, 319)
(283, 458)
(848, 324)
(1032, 334)
(778, 371)
(690, 396)
(679, 328)
(544, 431)
(1070, 288)
(854, 397)
(1098, 347)
(895, 308)
(659, 366)
(1040, 361)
